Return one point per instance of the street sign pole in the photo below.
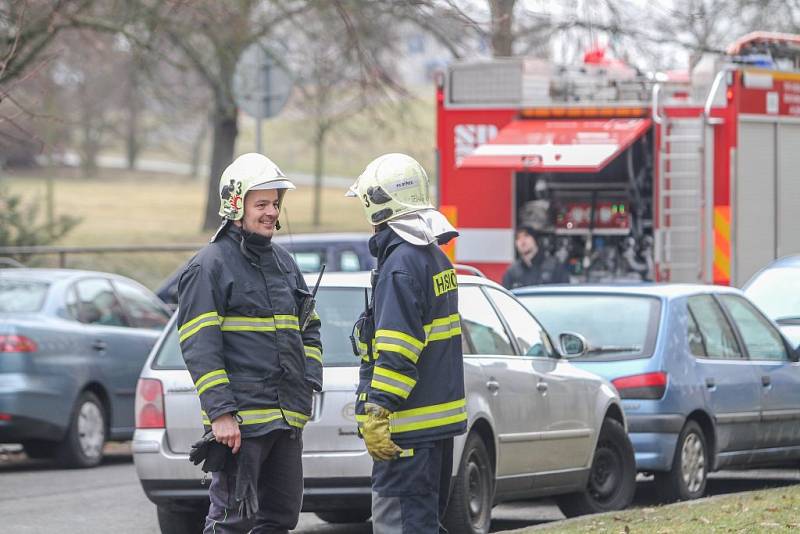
(261, 87)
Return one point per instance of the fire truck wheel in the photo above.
(470, 508)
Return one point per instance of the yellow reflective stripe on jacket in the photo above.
(248, 324)
(443, 328)
(287, 321)
(313, 352)
(193, 326)
(295, 418)
(429, 416)
(392, 382)
(254, 417)
(206, 420)
(209, 380)
(394, 341)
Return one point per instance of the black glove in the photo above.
(212, 454)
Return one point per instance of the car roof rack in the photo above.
(469, 268)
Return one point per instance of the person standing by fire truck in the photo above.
(410, 399)
(533, 266)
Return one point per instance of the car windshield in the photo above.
(616, 327)
(338, 307)
(777, 292)
(20, 295)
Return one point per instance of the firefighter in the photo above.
(533, 265)
(410, 399)
(253, 365)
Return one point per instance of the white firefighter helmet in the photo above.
(390, 186)
(248, 172)
(394, 189)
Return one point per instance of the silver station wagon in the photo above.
(538, 426)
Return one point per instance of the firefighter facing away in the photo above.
(410, 399)
(253, 363)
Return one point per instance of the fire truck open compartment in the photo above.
(598, 222)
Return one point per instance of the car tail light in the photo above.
(5, 417)
(10, 343)
(645, 386)
(149, 404)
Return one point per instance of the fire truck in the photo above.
(624, 175)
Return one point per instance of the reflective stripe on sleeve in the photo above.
(190, 328)
(399, 342)
(429, 416)
(209, 380)
(313, 352)
(392, 382)
(254, 417)
(443, 328)
(295, 418)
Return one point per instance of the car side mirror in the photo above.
(572, 345)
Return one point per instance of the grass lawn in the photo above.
(127, 208)
(771, 510)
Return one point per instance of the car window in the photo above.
(349, 262)
(616, 327)
(717, 336)
(97, 303)
(530, 336)
(309, 261)
(480, 323)
(763, 342)
(777, 292)
(696, 344)
(20, 295)
(143, 310)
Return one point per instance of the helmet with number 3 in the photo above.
(248, 172)
(392, 185)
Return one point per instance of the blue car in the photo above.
(706, 380)
(776, 290)
(72, 345)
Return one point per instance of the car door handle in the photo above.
(710, 384)
(493, 386)
(542, 386)
(766, 380)
(99, 345)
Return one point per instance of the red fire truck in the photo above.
(626, 176)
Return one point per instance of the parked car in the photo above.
(538, 426)
(72, 345)
(776, 290)
(346, 252)
(706, 380)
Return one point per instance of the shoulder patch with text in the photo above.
(445, 281)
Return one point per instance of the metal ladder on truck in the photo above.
(680, 241)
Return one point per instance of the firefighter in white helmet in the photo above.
(253, 364)
(410, 399)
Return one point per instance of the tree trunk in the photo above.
(319, 167)
(197, 149)
(132, 145)
(89, 148)
(226, 129)
(502, 26)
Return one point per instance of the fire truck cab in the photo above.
(626, 176)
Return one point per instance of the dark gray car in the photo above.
(72, 344)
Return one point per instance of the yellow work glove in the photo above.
(377, 436)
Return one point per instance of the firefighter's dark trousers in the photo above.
(276, 461)
(409, 494)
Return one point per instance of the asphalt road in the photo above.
(36, 497)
